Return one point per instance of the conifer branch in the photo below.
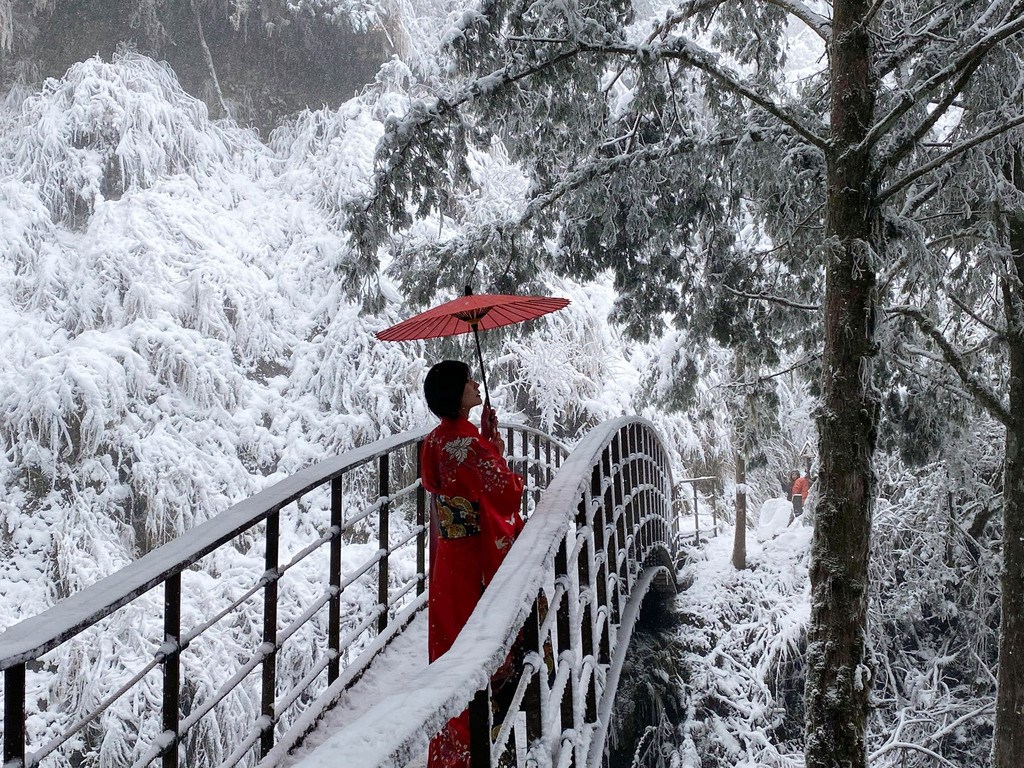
(921, 38)
(688, 52)
(952, 357)
(545, 198)
(773, 298)
(796, 366)
(818, 24)
(945, 157)
(999, 332)
(900, 151)
(958, 65)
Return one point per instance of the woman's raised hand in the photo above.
(489, 423)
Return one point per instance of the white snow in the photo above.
(773, 518)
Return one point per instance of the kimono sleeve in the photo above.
(500, 492)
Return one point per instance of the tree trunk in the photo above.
(838, 678)
(1008, 747)
(739, 542)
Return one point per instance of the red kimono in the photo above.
(476, 502)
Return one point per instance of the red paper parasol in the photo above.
(472, 313)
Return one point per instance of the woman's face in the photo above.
(470, 396)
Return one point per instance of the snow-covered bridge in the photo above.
(336, 627)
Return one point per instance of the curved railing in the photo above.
(370, 499)
(564, 601)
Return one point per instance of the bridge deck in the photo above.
(389, 673)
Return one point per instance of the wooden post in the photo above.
(739, 546)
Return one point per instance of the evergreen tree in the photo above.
(634, 134)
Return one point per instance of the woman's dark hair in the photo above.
(443, 387)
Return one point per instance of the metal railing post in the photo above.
(600, 522)
(334, 606)
(547, 463)
(622, 586)
(537, 472)
(172, 668)
(526, 471)
(14, 715)
(269, 682)
(696, 517)
(382, 539)
(480, 729)
(563, 633)
(533, 642)
(421, 522)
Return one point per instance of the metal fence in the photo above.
(562, 607)
(371, 497)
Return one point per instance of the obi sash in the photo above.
(457, 517)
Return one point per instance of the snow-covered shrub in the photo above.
(107, 127)
(743, 635)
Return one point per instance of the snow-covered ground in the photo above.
(742, 635)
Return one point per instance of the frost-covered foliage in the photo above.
(933, 627)
(935, 607)
(178, 338)
(177, 341)
(743, 638)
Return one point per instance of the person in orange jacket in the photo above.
(801, 488)
(787, 483)
(476, 514)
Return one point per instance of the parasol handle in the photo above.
(483, 373)
(489, 426)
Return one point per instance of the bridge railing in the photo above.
(366, 506)
(562, 606)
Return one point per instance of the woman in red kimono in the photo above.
(477, 500)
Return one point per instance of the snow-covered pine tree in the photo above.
(622, 126)
(960, 230)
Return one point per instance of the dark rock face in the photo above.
(268, 67)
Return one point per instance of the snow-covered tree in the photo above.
(630, 130)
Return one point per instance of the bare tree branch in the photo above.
(208, 58)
